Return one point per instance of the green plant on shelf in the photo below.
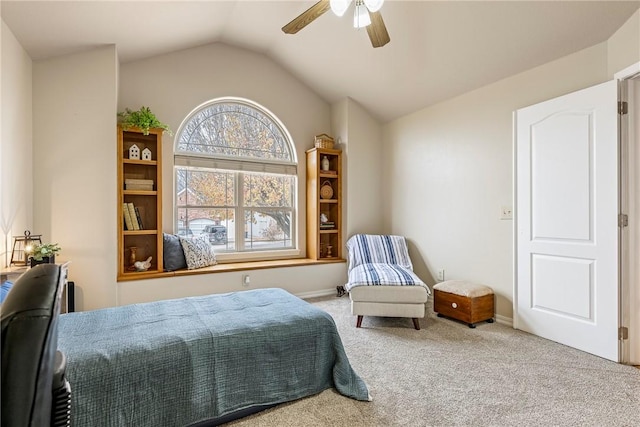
(142, 119)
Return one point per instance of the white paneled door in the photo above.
(566, 220)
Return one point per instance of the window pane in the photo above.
(267, 229)
(207, 188)
(234, 129)
(268, 190)
(236, 177)
(217, 224)
(183, 229)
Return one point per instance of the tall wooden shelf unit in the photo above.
(148, 241)
(320, 237)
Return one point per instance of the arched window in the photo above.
(236, 176)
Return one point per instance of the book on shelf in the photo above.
(139, 218)
(138, 184)
(134, 219)
(127, 217)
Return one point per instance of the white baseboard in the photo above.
(504, 320)
(315, 294)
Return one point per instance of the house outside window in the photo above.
(236, 180)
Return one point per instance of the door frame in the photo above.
(629, 243)
(629, 277)
(606, 327)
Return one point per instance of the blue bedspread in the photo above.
(177, 362)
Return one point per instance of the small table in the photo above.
(12, 273)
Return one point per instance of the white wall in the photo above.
(304, 281)
(360, 137)
(75, 101)
(449, 169)
(16, 183)
(172, 86)
(74, 164)
(623, 47)
(340, 129)
(444, 171)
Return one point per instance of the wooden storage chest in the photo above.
(465, 301)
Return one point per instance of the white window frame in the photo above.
(238, 165)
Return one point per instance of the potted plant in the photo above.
(142, 119)
(44, 254)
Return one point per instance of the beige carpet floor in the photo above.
(447, 374)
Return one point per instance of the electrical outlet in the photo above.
(246, 280)
(506, 212)
(441, 275)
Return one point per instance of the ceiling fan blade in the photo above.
(307, 17)
(377, 30)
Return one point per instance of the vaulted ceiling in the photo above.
(438, 49)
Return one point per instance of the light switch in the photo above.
(506, 212)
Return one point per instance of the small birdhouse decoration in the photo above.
(134, 152)
(146, 154)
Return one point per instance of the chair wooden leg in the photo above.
(359, 322)
(416, 323)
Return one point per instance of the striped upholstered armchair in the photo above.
(381, 281)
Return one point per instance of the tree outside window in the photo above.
(236, 177)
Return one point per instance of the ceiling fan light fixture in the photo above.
(373, 5)
(339, 7)
(361, 15)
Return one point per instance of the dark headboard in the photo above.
(29, 343)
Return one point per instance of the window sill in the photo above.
(236, 266)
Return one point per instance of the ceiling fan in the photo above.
(366, 14)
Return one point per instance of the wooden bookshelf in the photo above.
(322, 236)
(148, 239)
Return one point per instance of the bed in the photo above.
(201, 359)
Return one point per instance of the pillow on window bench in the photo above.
(172, 253)
(198, 251)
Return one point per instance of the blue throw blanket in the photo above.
(177, 362)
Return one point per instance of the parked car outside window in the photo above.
(185, 231)
(217, 234)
